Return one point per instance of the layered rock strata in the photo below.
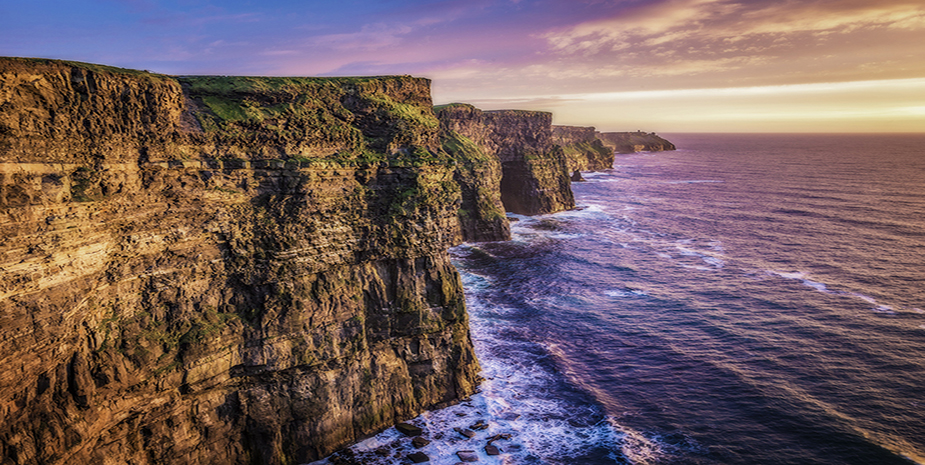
(583, 150)
(629, 142)
(534, 178)
(478, 172)
(220, 270)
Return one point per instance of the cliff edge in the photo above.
(630, 142)
(221, 270)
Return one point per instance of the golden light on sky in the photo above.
(655, 65)
(860, 106)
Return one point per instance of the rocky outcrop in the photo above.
(629, 142)
(534, 175)
(220, 270)
(583, 150)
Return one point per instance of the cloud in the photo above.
(814, 89)
(277, 53)
(370, 38)
(701, 24)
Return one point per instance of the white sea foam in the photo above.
(708, 258)
(624, 293)
(694, 181)
(566, 236)
(822, 287)
(863, 297)
(800, 276)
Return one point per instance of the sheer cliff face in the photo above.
(534, 177)
(220, 270)
(629, 142)
(478, 172)
(584, 151)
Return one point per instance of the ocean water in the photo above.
(746, 299)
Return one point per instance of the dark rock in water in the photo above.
(468, 456)
(499, 436)
(419, 442)
(465, 432)
(344, 457)
(479, 425)
(418, 457)
(576, 177)
(408, 429)
(383, 452)
(492, 450)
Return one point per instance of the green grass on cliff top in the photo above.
(228, 85)
(87, 66)
(453, 105)
(257, 99)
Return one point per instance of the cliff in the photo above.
(629, 142)
(583, 150)
(478, 173)
(534, 176)
(221, 270)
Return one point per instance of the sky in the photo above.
(621, 65)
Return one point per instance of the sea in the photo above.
(745, 299)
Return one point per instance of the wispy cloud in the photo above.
(700, 26)
(197, 19)
(369, 38)
(813, 89)
(540, 53)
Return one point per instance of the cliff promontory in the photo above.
(222, 270)
(629, 142)
(534, 177)
(583, 149)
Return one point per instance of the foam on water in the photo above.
(623, 293)
(695, 181)
(823, 288)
